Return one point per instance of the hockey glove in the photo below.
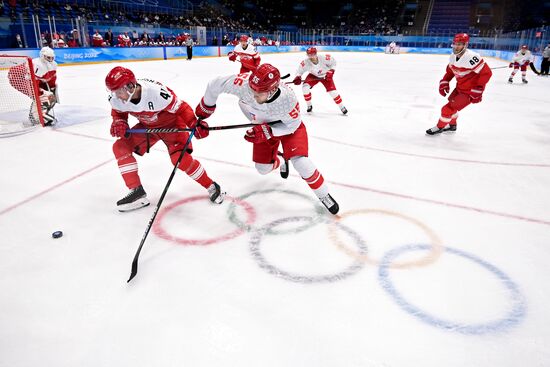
(329, 75)
(444, 87)
(259, 134)
(203, 111)
(297, 80)
(118, 128)
(476, 94)
(201, 130)
(232, 56)
(511, 65)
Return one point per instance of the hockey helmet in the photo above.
(244, 38)
(311, 51)
(119, 77)
(47, 54)
(265, 78)
(461, 38)
(524, 47)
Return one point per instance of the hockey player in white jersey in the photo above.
(521, 60)
(154, 106)
(45, 69)
(472, 74)
(321, 70)
(247, 54)
(275, 110)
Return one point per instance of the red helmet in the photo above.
(461, 38)
(524, 47)
(244, 37)
(119, 77)
(311, 51)
(265, 78)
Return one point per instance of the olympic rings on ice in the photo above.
(162, 233)
(258, 235)
(513, 317)
(433, 255)
(319, 210)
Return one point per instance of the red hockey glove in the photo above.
(248, 62)
(203, 111)
(329, 75)
(511, 65)
(476, 94)
(444, 87)
(201, 130)
(258, 134)
(232, 56)
(118, 128)
(297, 80)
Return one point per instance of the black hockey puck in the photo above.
(57, 234)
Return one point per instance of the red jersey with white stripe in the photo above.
(46, 73)
(470, 71)
(284, 106)
(326, 62)
(158, 107)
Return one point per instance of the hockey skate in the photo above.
(330, 204)
(215, 193)
(284, 168)
(309, 108)
(435, 130)
(524, 81)
(344, 110)
(136, 198)
(510, 80)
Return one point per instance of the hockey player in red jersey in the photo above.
(247, 53)
(521, 60)
(321, 70)
(472, 74)
(275, 110)
(155, 106)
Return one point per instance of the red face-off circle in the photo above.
(159, 230)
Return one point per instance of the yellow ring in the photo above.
(437, 247)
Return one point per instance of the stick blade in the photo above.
(134, 271)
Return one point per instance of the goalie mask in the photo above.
(47, 54)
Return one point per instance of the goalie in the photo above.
(45, 69)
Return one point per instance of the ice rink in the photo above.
(439, 256)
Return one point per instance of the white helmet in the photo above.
(47, 54)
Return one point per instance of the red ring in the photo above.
(159, 231)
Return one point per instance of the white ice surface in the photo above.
(483, 191)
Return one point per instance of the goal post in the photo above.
(20, 109)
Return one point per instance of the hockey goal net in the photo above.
(20, 110)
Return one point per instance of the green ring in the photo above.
(314, 219)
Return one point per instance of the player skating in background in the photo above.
(247, 54)
(392, 48)
(155, 106)
(321, 69)
(263, 100)
(472, 74)
(521, 60)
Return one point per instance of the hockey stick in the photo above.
(136, 257)
(176, 130)
(500, 67)
(534, 69)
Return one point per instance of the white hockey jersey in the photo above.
(46, 73)
(250, 51)
(285, 107)
(326, 62)
(156, 108)
(523, 58)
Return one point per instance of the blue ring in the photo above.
(514, 317)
